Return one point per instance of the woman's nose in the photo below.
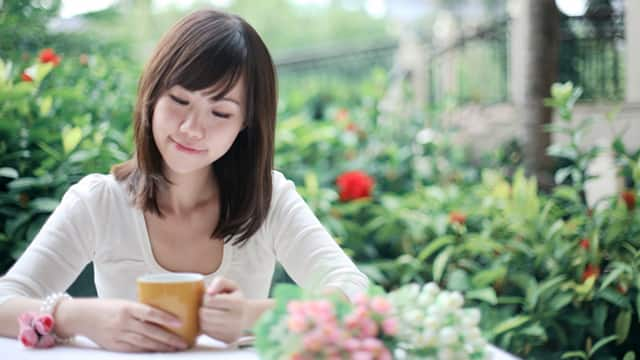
(192, 126)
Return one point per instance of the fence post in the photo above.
(517, 49)
(632, 41)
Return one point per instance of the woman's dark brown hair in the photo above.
(211, 49)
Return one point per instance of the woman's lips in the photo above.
(187, 149)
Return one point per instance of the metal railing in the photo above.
(475, 68)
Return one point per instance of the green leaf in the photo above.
(559, 301)
(630, 355)
(487, 277)
(440, 263)
(612, 276)
(83, 155)
(613, 297)
(510, 324)
(71, 137)
(45, 104)
(601, 343)
(458, 280)
(487, 295)
(574, 354)
(623, 323)
(638, 305)
(562, 174)
(9, 172)
(44, 204)
(599, 318)
(27, 183)
(435, 246)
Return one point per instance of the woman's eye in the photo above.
(221, 115)
(178, 100)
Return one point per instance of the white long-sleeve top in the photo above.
(96, 222)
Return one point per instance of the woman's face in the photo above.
(192, 130)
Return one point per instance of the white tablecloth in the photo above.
(85, 349)
(206, 348)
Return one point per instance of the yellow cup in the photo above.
(177, 293)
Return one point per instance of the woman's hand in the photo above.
(119, 325)
(225, 310)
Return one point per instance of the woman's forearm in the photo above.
(9, 311)
(68, 317)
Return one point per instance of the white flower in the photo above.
(431, 289)
(456, 299)
(432, 321)
(471, 317)
(473, 334)
(414, 316)
(428, 338)
(448, 336)
(446, 354)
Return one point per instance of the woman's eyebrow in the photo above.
(226, 98)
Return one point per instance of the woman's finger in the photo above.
(222, 301)
(150, 314)
(221, 285)
(209, 315)
(159, 334)
(142, 342)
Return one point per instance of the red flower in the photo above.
(342, 115)
(48, 55)
(26, 77)
(584, 243)
(589, 271)
(456, 217)
(629, 198)
(353, 127)
(354, 185)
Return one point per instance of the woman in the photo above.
(199, 195)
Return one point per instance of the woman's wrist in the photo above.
(69, 318)
(255, 309)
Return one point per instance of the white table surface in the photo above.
(206, 348)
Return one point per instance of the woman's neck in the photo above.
(187, 191)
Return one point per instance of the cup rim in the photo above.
(170, 278)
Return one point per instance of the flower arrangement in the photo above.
(411, 322)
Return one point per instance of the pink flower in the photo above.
(331, 333)
(352, 344)
(46, 341)
(361, 355)
(390, 326)
(380, 305)
(361, 299)
(43, 324)
(312, 342)
(385, 355)
(295, 308)
(368, 328)
(297, 323)
(372, 345)
(28, 337)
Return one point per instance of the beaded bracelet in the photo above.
(49, 306)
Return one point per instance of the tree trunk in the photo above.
(541, 58)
